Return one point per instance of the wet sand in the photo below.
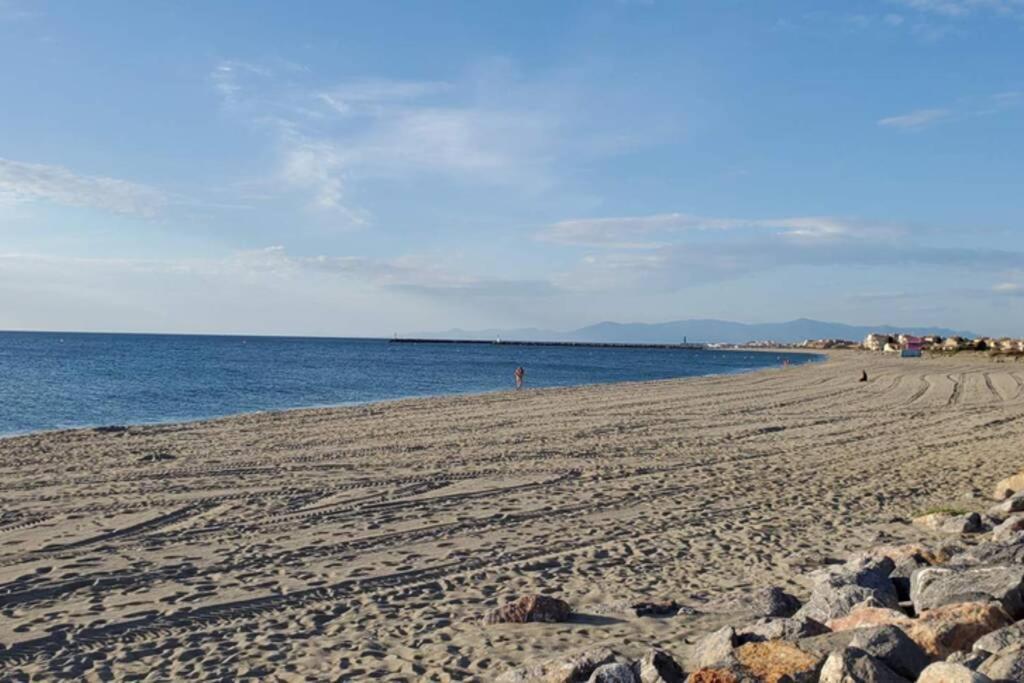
(366, 542)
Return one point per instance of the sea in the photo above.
(64, 380)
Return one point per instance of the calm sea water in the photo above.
(58, 380)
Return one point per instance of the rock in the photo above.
(950, 523)
(1009, 529)
(658, 666)
(530, 608)
(838, 590)
(899, 553)
(1009, 486)
(821, 646)
(656, 609)
(972, 660)
(713, 676)
(900, 575)
(894, 648)
(768, 602)
(1005, 666)
(779, 628)
(947, 629)
(777, 660)
(851, 665)
(613, 673)
(774, 602)
(946, 672)
(937, 586)
(561, 670)
(1009, 552)
(1014, 503)
(1000, 639)
(939, 631)
(865, 616)
(715, 650)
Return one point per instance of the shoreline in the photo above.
(368, 541)
(822, 356)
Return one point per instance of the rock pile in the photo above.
(890, 614)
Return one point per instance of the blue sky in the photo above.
(363, 168)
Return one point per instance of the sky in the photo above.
(379, 167)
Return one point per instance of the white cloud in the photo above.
(915, 119)
(28, 182)
(649, 232)
(963, 8)
(350, 98)
(1009, 289)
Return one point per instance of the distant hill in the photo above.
(700, 330)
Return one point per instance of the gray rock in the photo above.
(837, 590)
(821, 646)
(1006, 666)
(1009, 530)
(851, 665)
(932, 587)
(1014, 503)
(900, 575)
(1008, 552)
(774, 602)
(613, 673)
(576, 667)
(779, 628)
(947, 672)
(894, 648)
(715, 650)
(658, 666)
(972, 660)
(1000, 639)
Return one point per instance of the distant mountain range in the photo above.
(707, 331)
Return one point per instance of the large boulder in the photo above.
(939, 632)
(570, 669)
(894, 648)
(1009, 552)
(1008, 530)
(932, 587)
(714, 650)
(1009, 486)
(1014, 503)
(950, 523)
(1006, 666)
(779, 628)
(851, 665)
(778, 660)
(530, 608)
(614, 673)
(837, 590)
(1000, 639)
(658, 666)
(864, 616)
(709, 675)
(946, 672)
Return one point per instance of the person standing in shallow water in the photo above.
(520, 374)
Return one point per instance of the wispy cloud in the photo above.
(963, 8)
(490, 128)
(1009, 289)
(915, 119)
(28, 182)
(643, 232)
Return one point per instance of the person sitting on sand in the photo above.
(520, 373)
(863, 375)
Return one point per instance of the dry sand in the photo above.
(365, 542)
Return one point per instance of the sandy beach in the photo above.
(366, 542)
